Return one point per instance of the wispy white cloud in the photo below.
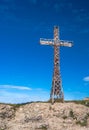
(16, 97)
(11, 94)
(86, 79)
(15, 87)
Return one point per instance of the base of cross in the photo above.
(58, 100)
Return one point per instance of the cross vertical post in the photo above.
(56, 90)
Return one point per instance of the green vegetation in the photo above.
(56, 100)
(16, 105)
(71, 114)
(84, 121)
(83, 102)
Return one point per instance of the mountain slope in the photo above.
(44, 116)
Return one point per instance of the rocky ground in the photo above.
(44, 116)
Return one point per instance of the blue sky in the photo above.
(26, 67)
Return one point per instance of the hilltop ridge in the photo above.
(44, 116)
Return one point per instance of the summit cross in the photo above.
(57, 89)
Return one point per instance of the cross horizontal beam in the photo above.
(56, 42)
